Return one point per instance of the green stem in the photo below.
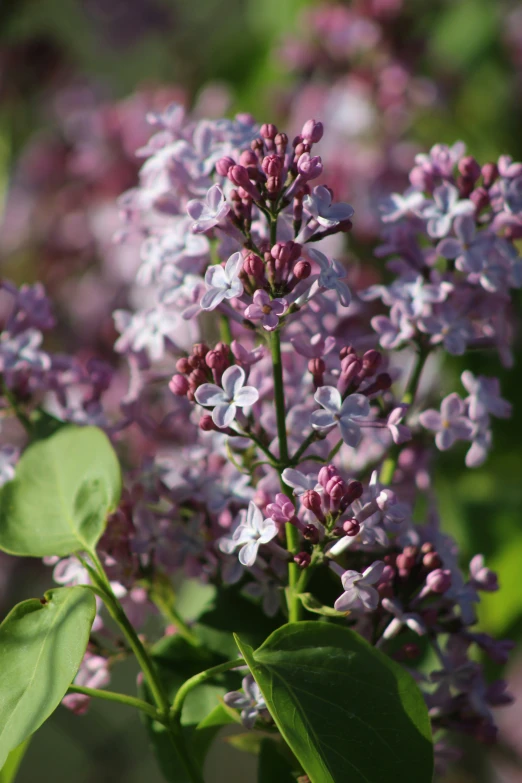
(121, 698)
(292, 534)
(312, 437)
(410, 392)
(193, 682)
(118, 615)
(225, 332)
(175, 734)
(169, 613)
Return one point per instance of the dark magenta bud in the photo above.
(469, 168)
(302, 559)
(179, 385)
(347, 350)
(254, 266)
(311, 533)
(200, 349)
(302, 270)
(431, 561)
(489, 174)
(272, 165)
(317, 367)
(371, 361)
(206, 424)
(480, 197)
(382, 383)
(353, 492)
(215, 360)
(268, 130)
(312, 501)
(223, 165)
(196, 378)
(183, 365)
(439, 581)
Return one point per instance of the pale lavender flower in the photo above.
(21, 352)
(359, 593)
(395, 330)
(227, 400)
(252, 531)
(313, 347)
(450, 424)
(208, 213)
(251, 702)
(481, 444)
(446, 206)
(399, 432)
(482, 578)
(267, 309)
(397, 206)
(301, 482)
(447, 328)
(244, 357)
(331, 276)
(146, 330)
(401, 618)
(347, 414)
(441, 159)
(223, 282)
(484, 397)
(93, 673)
(319, 205)
(470, 248)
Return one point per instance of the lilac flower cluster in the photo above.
(279, 439)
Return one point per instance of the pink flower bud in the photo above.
(336, 489)
(179, 385)
(215, 360)
(248, 158)
(382, 383)
(312, 131)
(480, 197)
(353, 492)
(325, 474)
(317, 367)
(206, 424)
(469, 168)
(272, 165)
(223, 165)
(351, 527)
(431, 561)
(347, 350)
(302, 270)
(439, 581)
(312, 501)
(268, 130)
(281, 142)
(254, 266)
(371, 361)
(310, 167)
(489, 174)
(200, 349)
(238, 175)
(183, 365)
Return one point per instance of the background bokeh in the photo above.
(388, 78)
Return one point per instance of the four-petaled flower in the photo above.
(223, 282)
(249, 534)
(359, 593)
(445, 206)
(347, 414)
(484, 397)
(227, 400)
(268, 310)
(251, 702)
(450, 424)
(208, 213)
(319, 205)
(331, 276)
(401, 618)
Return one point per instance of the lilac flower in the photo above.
(447, 328)
(441, 159)
(445, 206)
(359, 593)
(252, 531)
(244, 357)
(484, 397)
(21, 352)
(227, 400)
(397, 206)
(145, 330)
(93, 673)
(481, 444)
(331, 276)
(313, 347)
(450, 424)
(223, 283)
(208, 213)
(251, 702)
(300, 482)
(511, 190)
(482, 578)
(399, 432)
(319, 205)
(470, 248)
(267, 309)
(395, 330)
(346, 414)
(401, 618)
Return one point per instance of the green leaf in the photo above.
(273, 766)
(63, 490)
(347, 711)
(9, 770)
(311, 603)
(42, 644)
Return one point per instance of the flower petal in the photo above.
(223, 415)
(248, 395)
(233, 380)
(248, 554)
(209, 394)
(329, 398)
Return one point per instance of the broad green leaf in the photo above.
(348, 712)
(42, 644)
(12, 764)
(63, 490)
(273, 766)
(176, 660)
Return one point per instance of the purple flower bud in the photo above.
(223, 165)
(183, 365)
(431, 561)
(351, 527)
(480, 198)
(215, 360)
(317, 367)
(312, 501)
(469, 168)
(281, 142)
(354, 492)
(336, 489)
(268, 130)
(439, 581)
(302, 270)
(310, 167)
(347, 350)
(302, 559)
(254, 266)
(179, 385)
(312, 131)
(325, 474)
(371, 361)
(206, 424)
(489, 174)
(311, 533)
(272, 165)
(248, 158)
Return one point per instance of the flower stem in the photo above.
(292, 534)
(197, 679)
(225, 332)
(121, 698)
(166, 606)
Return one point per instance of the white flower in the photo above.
(346, 414)
(253, 531)
(301, 482)
(401, 618)
(319, 205)
(227, 400)
(359, 594)
(223, 283)
(331, 276)
(208, 213)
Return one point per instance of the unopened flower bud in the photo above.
(312, 501)
(465, 186)
(336, 489)
(351, 527)
(411, 650)
(382, 383)
(196, 378)
(317, 367)
(480, 197)
(353, 492)
(439, 581)
(325, 474)
(179, 385)
(206, 424)
(183, 365)
(200, 349)
(371, 361)
(223, 165)
(254, 266)
(312, 131)
(302, 559)
(489, 174)
(302, 270)
(281, 142)
(431, 561)
(248, 158)
(268, 130)
(347, 350)
(272, 165)
(215, 360)
(469, 168)
(311, 533)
